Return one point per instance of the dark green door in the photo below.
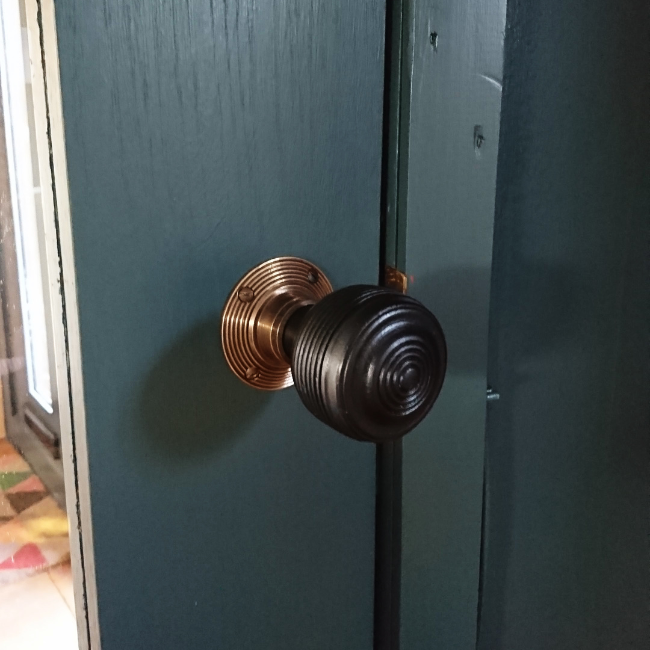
(204, 137)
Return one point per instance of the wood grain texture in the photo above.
(444, 234)
(202, 138)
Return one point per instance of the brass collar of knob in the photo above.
(256, 312)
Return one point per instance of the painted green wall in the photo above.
(567, 562)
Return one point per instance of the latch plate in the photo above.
(395, 279)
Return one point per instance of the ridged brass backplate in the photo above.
(256, 312)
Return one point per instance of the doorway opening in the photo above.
(43, 590)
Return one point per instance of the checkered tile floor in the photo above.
(33, 529)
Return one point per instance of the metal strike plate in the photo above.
(395, 279)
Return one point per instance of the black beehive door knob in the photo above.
(368, 361)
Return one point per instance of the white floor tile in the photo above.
(61, 576)
(34, 616)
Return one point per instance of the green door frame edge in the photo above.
(388, 529)
(406, 76)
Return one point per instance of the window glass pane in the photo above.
(26, 200)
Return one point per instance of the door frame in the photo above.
(65, 321)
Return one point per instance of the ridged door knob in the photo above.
(366, 360)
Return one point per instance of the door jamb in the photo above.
(41, 22)
(388, 506)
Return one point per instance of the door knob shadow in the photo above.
(191, 405)
(460, 300)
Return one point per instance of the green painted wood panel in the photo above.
(567, 560)
(202, 138)
(444, 239)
